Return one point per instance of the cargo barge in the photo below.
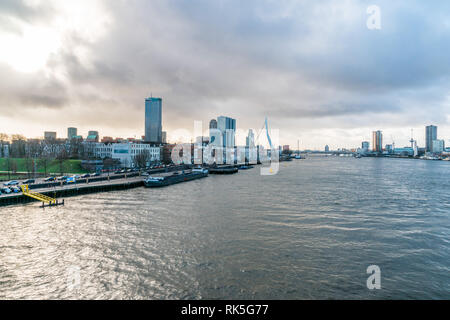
(223, 170)
(176, 177)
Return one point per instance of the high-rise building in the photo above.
(93, 136)
(327, 148)
(164, 137)
(49, 135)
(365, 146)
(153, 120)
(377, 141)
(213, 124)
(250, 139)
(71, 133)
(430, 135)
(227, 127)
(438, 146)
(215, 136)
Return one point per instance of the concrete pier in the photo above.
(58, 190)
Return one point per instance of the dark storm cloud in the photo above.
(26, 91)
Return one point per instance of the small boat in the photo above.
(176, 177)
(245, 167)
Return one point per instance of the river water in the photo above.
(308, 232)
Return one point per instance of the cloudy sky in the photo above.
(313, 68)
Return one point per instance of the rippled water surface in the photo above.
(308, 232)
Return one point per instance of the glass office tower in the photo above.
(153, 120)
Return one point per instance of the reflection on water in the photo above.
(308, 232)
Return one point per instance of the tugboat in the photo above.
(176, 177)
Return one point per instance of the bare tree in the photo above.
(44, 162)
(141, 159)
(13, 166)
(29, 165)
(4, 137)
(61, 159)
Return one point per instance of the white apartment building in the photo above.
(126, 152)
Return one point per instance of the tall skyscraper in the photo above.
(377, 141)
(250, 139)
(213, 124)
(164, 137)
(430, 135)
(71, 133)
(93, 136)
(153, 120)
(327, 148)
(228, 128)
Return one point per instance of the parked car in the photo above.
(70, 180)
(11, 183)
(145, 174)
(63, 178)
(15, 189)
(76, 176)
(6, 190)
(49, 179)
(97, 174)
(28, 181)
(86, 175)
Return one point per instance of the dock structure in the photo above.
(37, 196)
(47, 195)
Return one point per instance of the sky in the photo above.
(314, 68)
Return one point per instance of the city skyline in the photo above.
(269, 60)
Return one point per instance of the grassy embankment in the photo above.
(70, 166)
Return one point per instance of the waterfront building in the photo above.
(327, 148)
(215, 136)
(250, 139)
(430, 135)
(406, 151)
(438, 146)
(71, 133)
(93, 136)
(153, 120)
(213, 124)
(377, 141)
(227, 127)
(107, 140)
(250, 148)
(365, 146)
(125, 152)
(49, 135)
(4, 149)
(389, 148)
(164, 137)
